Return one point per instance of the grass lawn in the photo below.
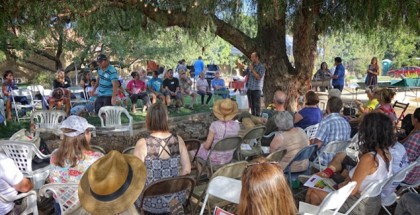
(12, 127)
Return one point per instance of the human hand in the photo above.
(251, 67)
(113, 100)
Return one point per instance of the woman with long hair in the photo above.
(165, 156)
(265, 190)
(385, 97)
(376, 137)
(323, 74)
(372, 73)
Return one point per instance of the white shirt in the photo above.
(9, 177)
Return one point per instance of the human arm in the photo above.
(253, 71)
(14, 177)
(4, 90)
(365, 167)
(24, 186)
(96, 85)
(276, 143)
(209, 141)
(185, 158)
(297, 118)
(140, 150)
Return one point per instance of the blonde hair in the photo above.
(265, 190)
(71, 149)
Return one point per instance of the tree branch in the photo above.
(29, 62)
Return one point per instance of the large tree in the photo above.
(304, 19)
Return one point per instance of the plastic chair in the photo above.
(311, 131)
(353, 149)
(333, 200)
(169, 186)
(253, 139)
(31, 201)
(76, 91)
(48, 121)
(65, 194)
(129, 150)
(332, 147)
(232, 170)
(303, 154)
(277, 155)
(111, 119)
(17, 106)
(398, 177)
(22, 154)
(225, 188)
(226, 144)
(98, 149)
(403, 107)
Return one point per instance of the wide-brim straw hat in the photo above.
(225, 109)
(112, 184)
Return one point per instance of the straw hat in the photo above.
(112, 184)
(225, 109)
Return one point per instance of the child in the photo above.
(121, 97)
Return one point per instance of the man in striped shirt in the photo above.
(106, 84)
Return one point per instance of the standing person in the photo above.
(339, 73)
(203, 89)
(372, 73)
(323, 74)
(198, 67)
(181, 66)
(136, 89)
(255, 72)
(171, 89)
(107, 83)
(154, 86)
(8, 86)
(165, 156)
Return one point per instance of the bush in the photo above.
(44, 79)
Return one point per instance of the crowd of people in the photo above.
(112, 183)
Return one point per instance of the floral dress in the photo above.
(158, 169)
(68, 174)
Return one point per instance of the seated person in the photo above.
(265, 190)
(310, 114)
(408, 204)
(385, 97)
(82, 109)
(290, 138)
(224, 110)
(376, 137)
(12, 181)
(121, 99)
(8, 86)
(219, 87)
(185, 86)
(60, 95)
(154, 87)
(171, 89)
(412, 145)
(203, 89)
(323, 74)
(136, 89)
(85, 82)
(370, 105)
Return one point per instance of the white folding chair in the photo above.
(311, 131)
(22, 154)
(333, 201)
(398, 177)
(332, 147)
(353, 149)
(77, 91)
(65, 194)
(35, 89)
(111, 119)
(31, 202)
(48, 121)
(225, 188)
(18, 106)
(412, 187)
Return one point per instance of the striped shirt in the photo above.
(332, 128)
(105, 80)
(253, 83)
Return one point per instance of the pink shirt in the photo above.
(136, 86)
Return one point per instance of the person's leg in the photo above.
(202, 94)
(9, 109)
(99, 102)
(51, 103)
(178, 98)
(249, 95)
(314, 196)
(252, 102)
(257, 101)
(146, 100)
(193, 96)
(133, 98)
(67, 103)
(335, 165)
(209, 94)
(409, 203)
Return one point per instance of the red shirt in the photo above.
(139, 85)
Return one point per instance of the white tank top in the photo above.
(380, 173)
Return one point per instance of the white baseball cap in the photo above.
(76, 123)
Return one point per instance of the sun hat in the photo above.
(283, 120)
(112, 184)
(76, 123)
(225, 109)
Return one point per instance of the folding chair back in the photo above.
(65, 194)
(303, 154)
(18, 106)
(253, 138)
(311, 131)
(169, 186)
(372, 190)
(336, 199)
(77, 91)
(277, 155)
(227, 144)
(254, 133)
(217, 188)
(403, 107)
(110, 117)
(129, 150)
(35, 89)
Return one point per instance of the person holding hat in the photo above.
(224, 110)
(136, 89)
(107, 83)
(112, 184)
(185, 87)
(165, 156)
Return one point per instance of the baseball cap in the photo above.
(76, 123)
(101, 58)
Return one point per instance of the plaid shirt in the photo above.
(332, 128)
(253, 83)
(412, 145)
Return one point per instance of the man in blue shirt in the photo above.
(218, 85)
(107, 83)
(154, 86)
(338, 77)
(198, 67)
